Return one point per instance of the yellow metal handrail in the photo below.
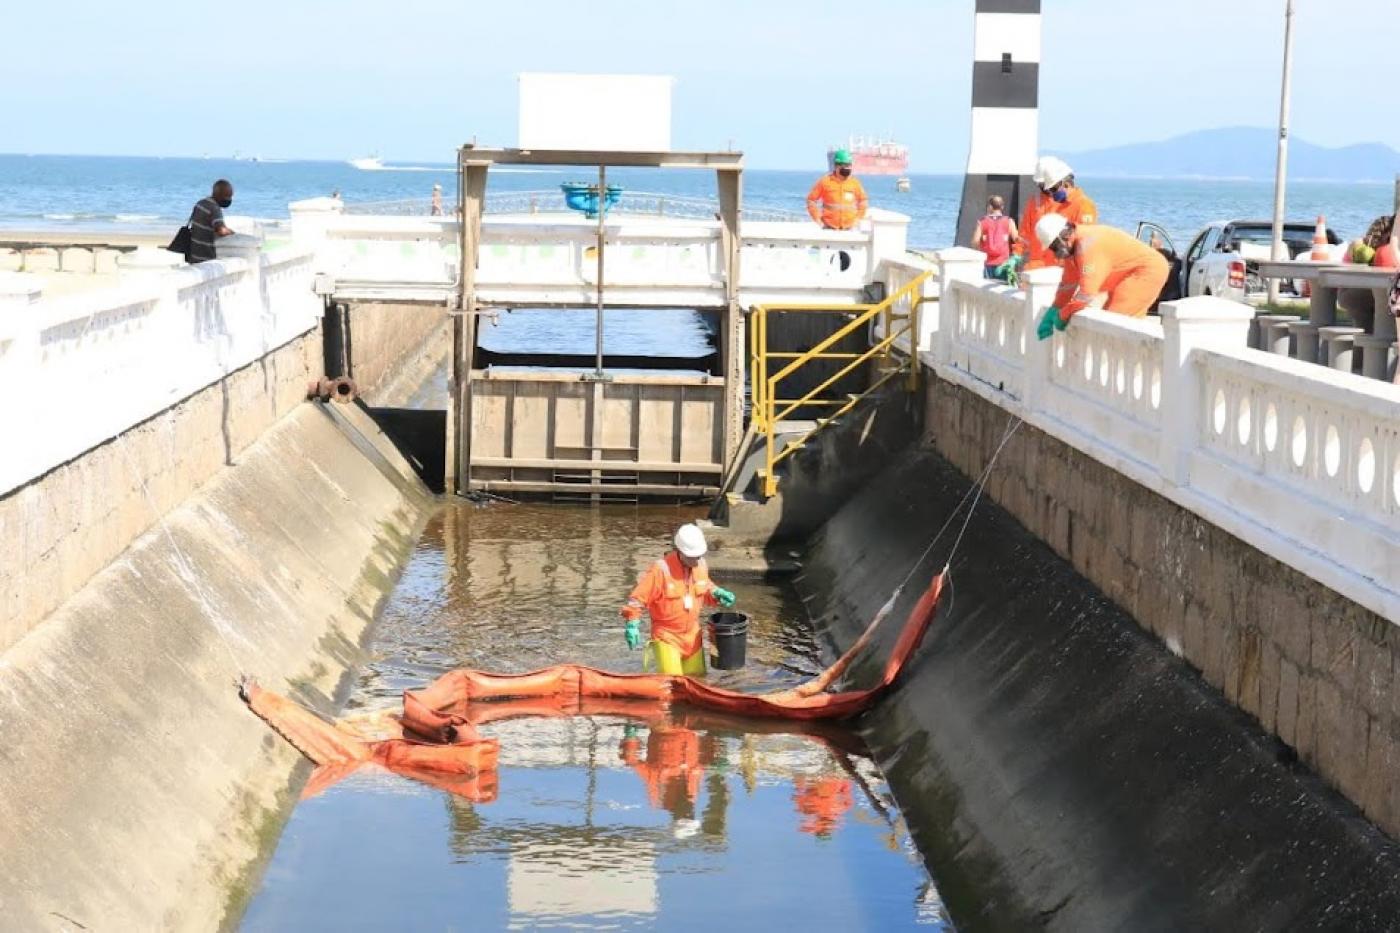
(769, 408)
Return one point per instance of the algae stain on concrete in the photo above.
(259, 826)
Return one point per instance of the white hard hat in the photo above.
(1048, 228)
(1050, 171)
(690, 541)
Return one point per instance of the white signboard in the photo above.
(618, 113)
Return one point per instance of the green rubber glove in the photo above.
(1013, 269)
(726, 598)
(1049, 323)
(633, 634)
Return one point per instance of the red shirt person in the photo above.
(996, 235)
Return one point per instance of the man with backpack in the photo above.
(207, 223)
(996, 235)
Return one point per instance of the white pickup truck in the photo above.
(1223, 258)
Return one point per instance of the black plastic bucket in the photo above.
(730, 633)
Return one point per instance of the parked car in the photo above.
(1223, 259)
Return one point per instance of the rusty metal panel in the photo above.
(658, 434)
(702, 415)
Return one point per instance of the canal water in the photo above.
(681, 821)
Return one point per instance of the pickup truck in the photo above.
(1223, 258)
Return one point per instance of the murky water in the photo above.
(595, 822)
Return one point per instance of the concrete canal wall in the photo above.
(176, 515)
(1169, 639)
(1063, 770)
(1245, 509)
(394, 347)
(138, 790)
(134, 396)
(1311, 666)
(139, 393)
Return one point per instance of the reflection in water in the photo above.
(615, 818)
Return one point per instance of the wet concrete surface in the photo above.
(679, 821)
(1059, 768)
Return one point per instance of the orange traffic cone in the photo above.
(1320, 252)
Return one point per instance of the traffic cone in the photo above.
(1320, 251)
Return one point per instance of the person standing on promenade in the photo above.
(837, 201)
(436, 209)
(1058, 195)
(996, 235)
(1394, 297)
(207, 222)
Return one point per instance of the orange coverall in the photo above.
(1106, 259)
(837, 202)
(662, 592)
(1078, 210)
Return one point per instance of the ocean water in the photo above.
(85, 192)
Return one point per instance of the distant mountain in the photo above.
(1238, 152)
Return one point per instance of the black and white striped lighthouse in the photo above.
(1005, 118)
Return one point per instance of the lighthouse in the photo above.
(1005, 115)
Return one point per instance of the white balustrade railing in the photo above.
(1322, 451)
(419, 250)
(986, 338)
(1300, 461)
(81, 369)
(551, 257)
(1105, 374)
(896, 275)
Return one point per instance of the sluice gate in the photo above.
(599, 432)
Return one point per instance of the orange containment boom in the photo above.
(435, 739)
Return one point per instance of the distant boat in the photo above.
(874, 156)
(368, 163)
(902, 185)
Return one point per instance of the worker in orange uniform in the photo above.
(1058, 195)
(837, 201)
(1104, 268)
(672, 591)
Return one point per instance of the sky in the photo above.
(412, 79)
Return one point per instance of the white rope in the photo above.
(975, 493)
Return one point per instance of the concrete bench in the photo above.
(1273, 335)
(1338, 346)
(1305, 339)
